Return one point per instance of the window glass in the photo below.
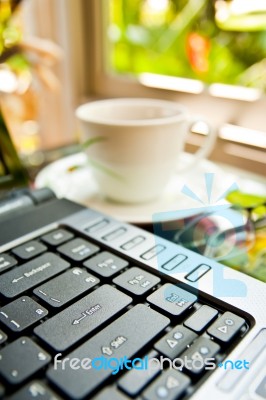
(212, 41)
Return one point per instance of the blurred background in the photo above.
(207, 54)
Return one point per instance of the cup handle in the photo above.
(207, 147)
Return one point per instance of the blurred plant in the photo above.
(186, 38)
(25, 64)
(253, 262)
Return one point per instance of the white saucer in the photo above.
(79, 186)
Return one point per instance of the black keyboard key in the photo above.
(170, 385)
(3, 337)
(110, 393)
(21, 314)
(35, 391)
(135, 380)
(136, 281)
(201, 318)
(66, 287)
(175, 341)
(78, 249)
(226, 327)
(197, 356)
(124, 337)
(31, 274)
(21, 359)
(57, 237)
(82, 318)
(6, 262)
(29, 250)
(172, 299)
(105, 264)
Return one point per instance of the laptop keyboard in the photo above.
(61, 293)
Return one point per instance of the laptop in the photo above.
(95, 308)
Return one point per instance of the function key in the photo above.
(6, 262)
(98, 225)
(175, 341)
(131, 244)
(226, 327)
(170, 385)
(154, 251)
(172, 299)
(3, 337)
(57, 237)
(198, 273)
(136, 281)
(29, 250)
(21, 359)
(114, 234)
(78, 249)
(105, 264)
(201, 318)
(174, 262)
(21, 313)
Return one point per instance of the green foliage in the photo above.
(147, 38)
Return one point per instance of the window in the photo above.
(227, 107)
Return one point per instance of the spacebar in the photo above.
(124, 337)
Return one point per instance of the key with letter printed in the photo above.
(78, 249)
(28, 275)
(136, 281)
(124, 337)
(57, 237)
(82, 317)
(172, 299)
(29, 250)
(105, 264)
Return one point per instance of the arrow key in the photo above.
(175, 341)
(197, 354)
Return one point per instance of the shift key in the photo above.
(31, 274)
(83, 317)
(125, 337)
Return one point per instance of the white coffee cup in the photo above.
(142, 140)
